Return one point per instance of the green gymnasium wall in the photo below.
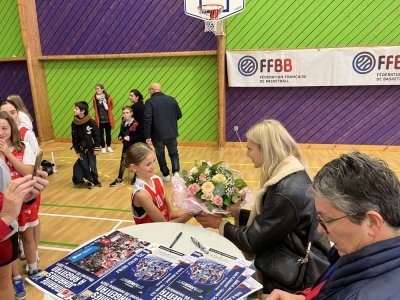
(10, 30)
(314, 23)
(191, 80)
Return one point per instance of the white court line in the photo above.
(56, 249)
(116, 226)
(85, 217)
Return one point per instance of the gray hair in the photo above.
(355, 183)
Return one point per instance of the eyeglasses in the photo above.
(324, 223)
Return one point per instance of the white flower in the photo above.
(193, 170)
(219, 178)
(207, 187)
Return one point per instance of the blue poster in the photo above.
(140, 277)
(209, 276)
(76, 272)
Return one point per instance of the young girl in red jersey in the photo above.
(28, 137)
(149, 202)
(20, 159)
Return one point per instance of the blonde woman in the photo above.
(24, 117)
(282, 214)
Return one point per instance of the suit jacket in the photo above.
(161, 115)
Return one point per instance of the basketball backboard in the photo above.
(230, 7)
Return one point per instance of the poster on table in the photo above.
(143, 276)
(75, 273)
(209, 277)
(314, 67)
(119, 266)
(245, 288)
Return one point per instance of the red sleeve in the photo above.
(311, 293)
(4, 230)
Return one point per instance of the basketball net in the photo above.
(210, 14)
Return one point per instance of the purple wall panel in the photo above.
(14, 79)
(126, 26)
(324, 115)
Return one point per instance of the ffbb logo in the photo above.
(364, 62)
(248, 65)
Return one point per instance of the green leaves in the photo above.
(219, 189)
(240, 184)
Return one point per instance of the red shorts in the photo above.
(9, 250)
(29, 215)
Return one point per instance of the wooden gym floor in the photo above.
(71, 216)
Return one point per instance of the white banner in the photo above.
(314, 67)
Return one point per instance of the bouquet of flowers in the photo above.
(209, 187)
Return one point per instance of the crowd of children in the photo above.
(19, 148)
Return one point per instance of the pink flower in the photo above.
(235, 190)
(193, 189)
(203, 177)
(218, 200)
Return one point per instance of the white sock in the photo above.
(33, 267)
(17, 277)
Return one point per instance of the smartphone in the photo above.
(38, 161)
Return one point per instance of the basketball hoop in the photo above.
(211, 13)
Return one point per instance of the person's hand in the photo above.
(127, 138)
(18, 191)
(208, 220)
(96, 152)
(149, 142)
(39, 186)
(4, 148)
(282, 295)
(234, 210)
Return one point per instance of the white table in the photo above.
(164, 234)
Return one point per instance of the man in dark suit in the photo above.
(161, 115)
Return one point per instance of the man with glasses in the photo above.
(161, 115)
(357, 199)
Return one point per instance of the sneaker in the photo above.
(116, 182)
(89, 185)
(109, 149)
(33, 272)
(176, 174)
(97, 183)
(27, 267)
(19, 289)
(166, 178)
(103, 150)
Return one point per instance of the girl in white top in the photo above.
(24, 118)
(27, 135)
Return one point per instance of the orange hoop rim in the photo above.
(210, 11)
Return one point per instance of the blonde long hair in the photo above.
(275, 143)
